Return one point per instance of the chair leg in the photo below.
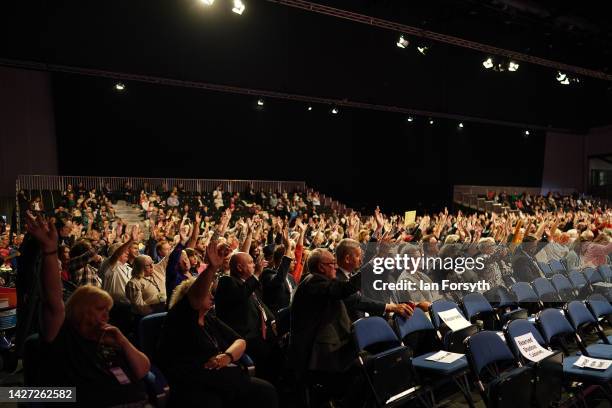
(464, 385)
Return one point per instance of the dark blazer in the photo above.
(276, 292)
(320, 337)
(358, 304)
(524, 267)
(236, 306)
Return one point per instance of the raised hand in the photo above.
(43, 231)
(380, 220)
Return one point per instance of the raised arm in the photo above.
(195, 232)
(201, 287)
(52, 304)
(133, 237)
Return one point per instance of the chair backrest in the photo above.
(374, 331)
(485, 348)
(606, 272)
(557, 267)
(475, 303)
(545, 268)
(599, 305)
(524, 292)
(520, 327)
(579, 314)
(544, 289)
(438, 306)
(561, 283)
(415, 323)
(553, 323)
(149, 330)
(500, 297)
(592, 276)
(577, 279)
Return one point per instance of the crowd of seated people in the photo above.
(261, 259)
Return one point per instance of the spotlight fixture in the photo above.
(513, 66)
(431, 121)
(423, 49)
(309, 108)
(120, 86)
(238, 7)
(562, 78)
(208, 2)
(335, 111)
(410, 119)
(526, 133)
(260, 102)
(488, 63)
(402, 42)
(460, 125)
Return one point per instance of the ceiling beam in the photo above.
(443, 38)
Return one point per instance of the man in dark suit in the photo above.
(524, 265)
(320, 339)
(349, 259)
(238, 303)
(278, 285)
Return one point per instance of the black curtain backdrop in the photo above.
(363, 158)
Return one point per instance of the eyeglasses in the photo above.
(329, 263)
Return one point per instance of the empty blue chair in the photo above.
(557, 267)
(418, 333)
(564, 287)
(491, 360)
(606, 272)
(526, 297)
(505, 304)
(545, 290)
(452, 341)
(386, 364)
(592, 276)
(556, 329)
(581, 320)
(545, 268)
(599, 306)
(477, 307)
(579, 282)
(548, 372)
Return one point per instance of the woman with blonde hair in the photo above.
(146, 290)
(79, 348)
(200, 354)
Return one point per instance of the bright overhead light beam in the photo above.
(334, 111)
(119, 86)
(410, 119)
(260, 102)
(488, 63)
(423, 50)
(513, 66)
(208, 2)
(238, 7)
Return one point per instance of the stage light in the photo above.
(238, 7)
(260, 102)
(431, 121)
(309, 108)
(562, 78)
(335, 111)
(410, 119)
(423, 50)
(208, 2)
(120, 86)
(460, 125)
(488, 63)
(513, 66)
(527, 133)
(402, 42)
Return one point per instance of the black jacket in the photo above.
(358, 304)
(276, 292)
(237, 304)
(320, 337)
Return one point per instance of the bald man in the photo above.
(239, 304)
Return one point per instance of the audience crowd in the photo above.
(274, 276)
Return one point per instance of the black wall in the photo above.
(363, 158)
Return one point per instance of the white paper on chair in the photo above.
(594, 363)
(530, 348)
(444, 357)
(606, 285)
(453, 319)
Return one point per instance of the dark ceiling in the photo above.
(274, 47)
